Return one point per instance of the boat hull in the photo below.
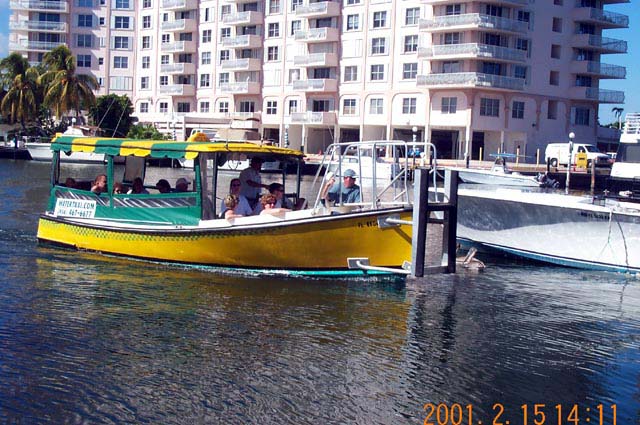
(311, 243)
(489, 177)
(43, 152)
(553, 228)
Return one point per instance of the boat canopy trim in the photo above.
(166, 149)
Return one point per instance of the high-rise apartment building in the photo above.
(465, 75)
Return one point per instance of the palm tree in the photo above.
(617, 111)
(65, 90)
(20, 104)
(10, 67)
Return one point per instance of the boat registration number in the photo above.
(79, 208)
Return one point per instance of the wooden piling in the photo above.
(449, 231)
(420, 218)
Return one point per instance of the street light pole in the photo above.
(571, 137)
(414, 130)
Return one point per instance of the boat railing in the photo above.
(384, 168)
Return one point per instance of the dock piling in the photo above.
(420, 217)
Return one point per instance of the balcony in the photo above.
(323, 9)
(596, 94)
(179, 47)
(178, 68)
(245, 87)
(602, 18)
(598, 69)
(246, 64)
(243, 18)
(44, 6)
(178, 89)
(602, 44)
(318, 35)
(38, 26)
(512, 3)
(35, 46)
(314, 118)
(243, 42)
(472, 21)
(472, 51)
(316, 59)
(180, 25)
(470, 79)
(316, 85)
(179, 4)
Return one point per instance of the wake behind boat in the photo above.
(182, 227)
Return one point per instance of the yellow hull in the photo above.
(317, 243)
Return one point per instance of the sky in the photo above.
(631, 35)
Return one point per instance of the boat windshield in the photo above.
(628, 152)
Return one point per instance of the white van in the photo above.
(558, 154)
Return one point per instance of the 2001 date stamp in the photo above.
(527, 414)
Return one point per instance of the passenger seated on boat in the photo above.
(163, 186)
(268, 203)
(252, 182)
(99, 184)
(230, 202)
(138, 187)
(350, 190)
(118, 189)
(70, 182)
(182, 185)
(243, 207)
(277, 190)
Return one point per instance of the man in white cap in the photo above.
(182, 185)
(252, 182)
(346, 193)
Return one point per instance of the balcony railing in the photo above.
(243, 18)
(179, 47)
(323, 8)
(602, 70)
(180, 4)
(603, 17)
(606, 44)
(472, 50)
(317, 35)
(57, 6)
(604, 96)
(38, 26)
(475, 20)
(316, 84)
(178, 89)
(35, 45)
(310, 117)
(506, 2)
(245, 64)
(316, 59)
(179, 25)
(470, 79)
(178, 68)
(248, 41)
(244, 87)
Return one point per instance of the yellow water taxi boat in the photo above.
(182, 227)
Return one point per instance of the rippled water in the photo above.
(91, 339)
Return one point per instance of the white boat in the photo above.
(625, 171)
(41, 151)
(498, 174)
(568, 230)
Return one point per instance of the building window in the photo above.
(554, 78)
(206, 36)
(293, 106)
(583, 81)
(274, 29)
(84, 61)
(122, 4)
(412, 16)
(225, 32)
(146, 4)
(378, 46)
(101, 20)
(206, 58)
(552, 110)
(489, 107)
(146, 62)
(146, 22)
(379, 19)
(409, 71)
(450, 67)
(100, 61)
(205, 80)
(453, 9)
(223, 107)
(295, 27)
(272, 53)
(517, 110)
(144, 107)
(524, 16)
(146, 42)
(582, 116)
(449, 105)
(350, 73)
(349, 107)
(555, 51)
(85, 21)
(376, 106)
(84, 40)
(410, 43)
(377, 72)
(184, 107)
(223, 78)
(121, 22)
(204, 107)
(557, 25)
(224, 55)
(164, 80)
(120, 62)
(295, 4)
(247, 106)
(272, 107)
(452, 38)
(144, 83)
(352, 2)
(353, 22)
(121, 43)
(520, 71)
(409, 105)
(164, 107)
(274, 6)
(522, 44)
(164, 60)
(165, 38)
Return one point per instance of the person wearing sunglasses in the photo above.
(242, 207)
